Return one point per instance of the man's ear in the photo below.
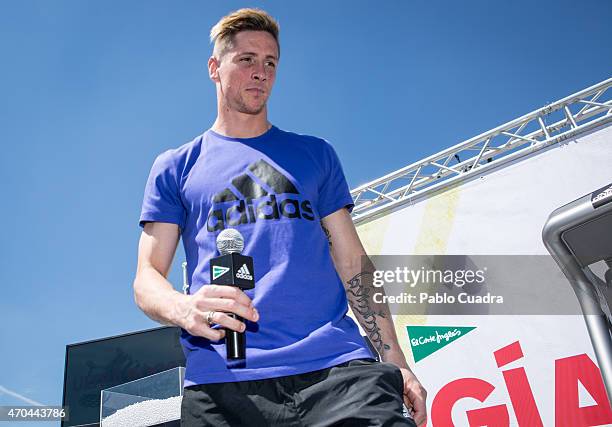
(213, 69)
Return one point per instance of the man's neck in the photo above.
(239, 125)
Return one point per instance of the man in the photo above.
(286, 193)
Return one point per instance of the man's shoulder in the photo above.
(178, 160)
(181, 154)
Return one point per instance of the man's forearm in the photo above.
(347, 253)
(374, 318)
(157, 298)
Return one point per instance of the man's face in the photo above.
(246, 71)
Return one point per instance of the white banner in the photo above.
(507, 370)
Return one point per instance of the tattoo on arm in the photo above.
(327, 234)
(359, 299)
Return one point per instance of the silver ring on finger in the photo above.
(209, 317)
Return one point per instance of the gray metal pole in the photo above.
(582, 219)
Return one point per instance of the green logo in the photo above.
(219, 271)
(426, 340)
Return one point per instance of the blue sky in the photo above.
(92, 91)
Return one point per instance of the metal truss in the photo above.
(551, 124)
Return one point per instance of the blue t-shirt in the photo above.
(274, 189)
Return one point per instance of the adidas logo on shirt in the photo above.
(244, 273)
(253, 201)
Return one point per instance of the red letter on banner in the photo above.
(442, 406)
(568, 413)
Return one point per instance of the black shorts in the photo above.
(357, 393)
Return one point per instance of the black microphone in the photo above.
(232, 269)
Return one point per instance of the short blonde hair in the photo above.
(247, 19)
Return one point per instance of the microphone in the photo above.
(232, 268)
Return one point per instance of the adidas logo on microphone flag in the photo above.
(244, 273)
(262, 193)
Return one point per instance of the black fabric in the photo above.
(357, 393)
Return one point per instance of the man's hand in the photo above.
(192, 311)
(414, 397)
(155, 295)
